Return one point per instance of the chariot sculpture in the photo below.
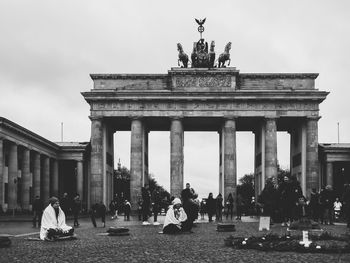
(202, 56)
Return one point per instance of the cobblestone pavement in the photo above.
(145, 244)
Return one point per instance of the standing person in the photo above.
(337, 209)
(327, 202)
(155, 205)
(112, 209)
(76, 209)
(139, 207)
(211, 205)
(229, 206)
(53, 223)
(219, 207)
(98, 210)
(346, 204)
(38, 207)
(287, 201)
(191, 209)
(202, 209)
(239, 205)
(146, 200)
(314, 205)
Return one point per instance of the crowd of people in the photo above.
(283, 202)
(286, 203)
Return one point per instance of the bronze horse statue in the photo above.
(225, 56)
(182, 56)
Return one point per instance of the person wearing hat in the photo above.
(53, 222)
(176, 219)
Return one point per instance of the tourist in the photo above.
(176, 220)
(239, 206)
(127, 209)
(76, 209)
(202, 208)
(287, 201)
(113, 209)
(327, 202)
(98, 210)
(229, 206)
(139, 207)
(268, 199)
(211, 206)
(53, 222)
(191, 208)
(37, 207)
(346, 204)
(155, 205)
(219, 208)
(146, 200)
(337, 206)
(314, 205)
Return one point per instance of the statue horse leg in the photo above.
(229, 62)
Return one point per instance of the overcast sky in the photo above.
(49, 48)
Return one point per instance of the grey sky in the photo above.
(49, 48)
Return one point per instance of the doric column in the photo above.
(36, 175)
(54, 178)
(25, 179)
(270, 148)
(136, 161)
(46, 179)
(329, 173)
(80, 178)
(12, 179)
(312, 166)
(176, 157)
(230, 165)
(97, 166)
(1, 172)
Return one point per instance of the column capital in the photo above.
(177, 118)
(136, 118)
(271, 118)
(230, 117)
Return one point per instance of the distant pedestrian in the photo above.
(229, 206)
(314, 205)
(37, 208)
(139, 208)
(219, 208)
(327, 201)
(76, 209)
(155, 205)
(202, 208)
(337, 209)
(211, 207)
(239, 205)
(65, 204)
(146, 202)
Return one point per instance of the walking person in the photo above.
(37, 208)
(98, 210)
(76, 209)
(127, 209)
(229, 206)
(239, 205)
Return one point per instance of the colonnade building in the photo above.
(220, 100)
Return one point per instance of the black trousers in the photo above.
(93, 219)
(54, 233)
(173, 229)
(37, 216)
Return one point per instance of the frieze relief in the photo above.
(215, 81)
(203, 106)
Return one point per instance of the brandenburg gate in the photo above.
(204, 98)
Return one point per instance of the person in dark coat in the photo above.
(76, 209)
(346, 204)
(229, 206)
(38, 207)
(314, 205)
(287, 200)
(327, 200)
(98, 210)
(191, 208)
(211, 206)
(155, 205)
(146, 202)
(65, 204)
(219, 208)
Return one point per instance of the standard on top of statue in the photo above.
(201, 56)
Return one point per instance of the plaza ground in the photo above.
(145, 244)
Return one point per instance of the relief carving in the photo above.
(214, 82)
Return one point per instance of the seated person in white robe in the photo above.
(53, 222)
(176, 219)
